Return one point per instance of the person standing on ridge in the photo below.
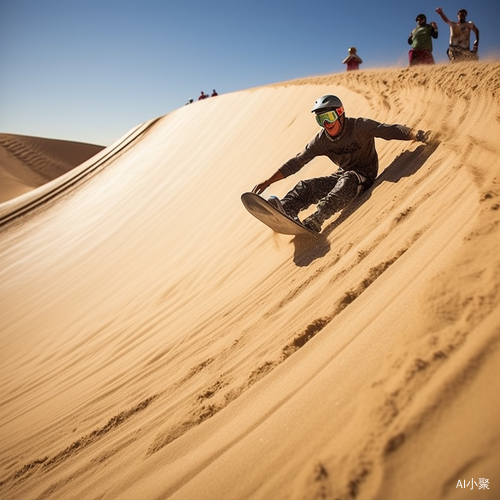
(352, 60)
(459, 49)
(420, 40)
(347, 142)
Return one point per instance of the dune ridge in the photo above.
(158, 342)
(29, 162)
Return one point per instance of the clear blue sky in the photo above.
(90, 71)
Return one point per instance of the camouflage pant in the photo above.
(331, 194)
(456, 54)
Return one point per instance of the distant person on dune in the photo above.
(347, 142)
(214, 93)
(202, 96)
(420, 40)
(459, 49)
(352, 60)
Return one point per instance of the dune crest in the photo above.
(159, 342)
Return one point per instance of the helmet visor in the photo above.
(329, 116)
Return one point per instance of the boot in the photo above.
(314, 222)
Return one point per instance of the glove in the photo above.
(422, 136)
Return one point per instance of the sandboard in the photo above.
(273, 218)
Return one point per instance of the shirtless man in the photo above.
(459, 49)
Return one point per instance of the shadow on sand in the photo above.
(307, 250)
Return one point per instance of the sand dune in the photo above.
(29, 162)
(159, 342)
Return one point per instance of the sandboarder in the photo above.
(347, 142)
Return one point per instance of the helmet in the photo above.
(352, 49)
(326, 103)
(421, 16)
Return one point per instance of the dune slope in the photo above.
(29, 162)
(158, 342)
